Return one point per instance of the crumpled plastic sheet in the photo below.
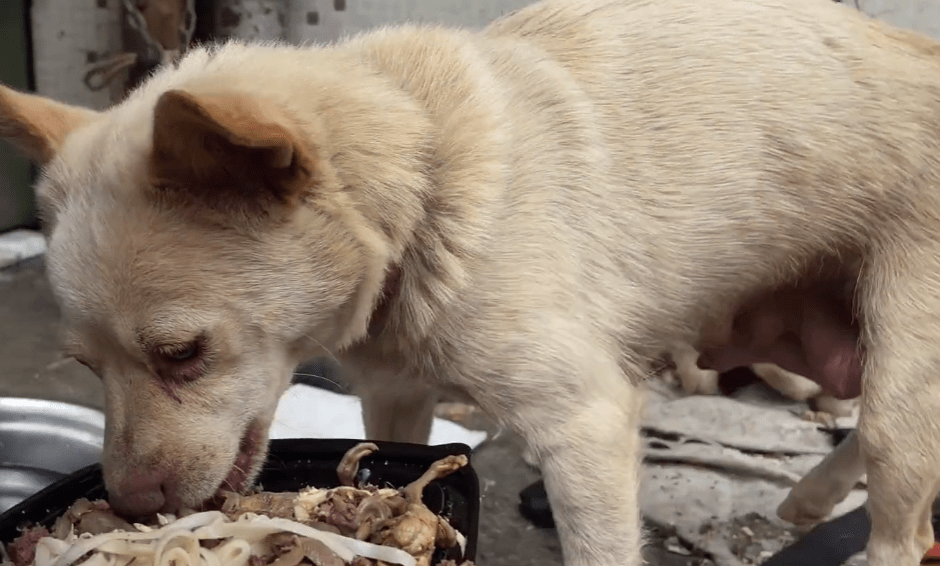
(717, 468)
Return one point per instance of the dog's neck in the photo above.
(390, 289)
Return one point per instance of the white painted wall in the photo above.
(359, 15)
(321, 21)
(69, 34)
(919, 15)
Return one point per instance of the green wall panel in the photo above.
(17, 204)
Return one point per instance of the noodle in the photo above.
(176, 557)
(125, 548)
(170, 545)
(235, 552)
(98, 560)
(209, 558)
(177, 543)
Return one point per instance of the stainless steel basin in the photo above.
(42, 441)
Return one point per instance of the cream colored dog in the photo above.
(525, 216)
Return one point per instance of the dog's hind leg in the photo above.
(581, 422)
(695, 380)
(824, 408)
(818, 492)
(835, 407)
(899, 432)
(790, 384)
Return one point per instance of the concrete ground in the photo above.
(32, 367)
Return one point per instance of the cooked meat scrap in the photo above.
(92, 517)
(84, 516)
(62, 528)
(373, 510)
(447, 536)
(95, 517)
(307, 501)
(440, 469)
(290, 550)
(280, 543)
(99, 522)
(349, 466)
(293, 556)
(266, 503)
(319, 553)
(340, 511)
(22, 551)
(419, 531)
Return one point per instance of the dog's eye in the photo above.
(182, 353)
(180, 363)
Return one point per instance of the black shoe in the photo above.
(533, 504)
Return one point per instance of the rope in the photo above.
(112, 66)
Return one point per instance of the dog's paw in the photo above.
(529, 457)
(838, 408)
(820, 417)
(669, 376)
(684, 370)
(697, 381)
(801, 510)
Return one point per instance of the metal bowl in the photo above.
(42, 442)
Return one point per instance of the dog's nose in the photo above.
(142, 493)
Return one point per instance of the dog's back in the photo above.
(720, 145)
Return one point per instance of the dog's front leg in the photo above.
(396, 407)
(826, 485)
(585, 436)
(398, 414)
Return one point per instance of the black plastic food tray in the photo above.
(294, 464)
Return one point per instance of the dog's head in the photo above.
(202, 243)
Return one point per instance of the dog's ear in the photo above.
(228, 153)
(37, 125)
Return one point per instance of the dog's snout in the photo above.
(140, 494)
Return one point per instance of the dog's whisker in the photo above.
(323, 378)
(331, 355)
